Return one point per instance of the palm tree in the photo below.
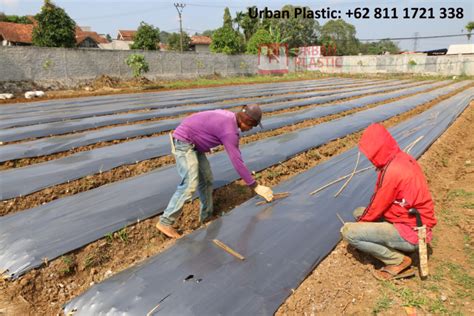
(239, 16)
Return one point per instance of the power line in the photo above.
(411, 38)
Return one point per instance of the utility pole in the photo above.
(415, 42)
(179, 7)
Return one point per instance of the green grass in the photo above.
(89, 262)
(217, 80)
(307, 75)
(459, 193)
(460, 276)
(437, 307)
(469, 205)
(122, 235)
(449, 217)
(382, 304)
(109, 237)
(68, 266)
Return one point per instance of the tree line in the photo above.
(241, 34)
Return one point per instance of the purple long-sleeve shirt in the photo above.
(209, 129)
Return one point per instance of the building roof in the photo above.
(200, 40)
(16, 32)
(22, 33)
(81, 36)
(126, 35)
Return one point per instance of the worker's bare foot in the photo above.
(167, 230)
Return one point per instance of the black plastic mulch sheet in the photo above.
(53, 229)
(61, 127)
(26, 180)
(64, 104)
(16, 120)
(50, 145)
(282, 242)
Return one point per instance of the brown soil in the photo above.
(253, 99)
(126, 171)
(109, 85)
(449, 168)
(44, 290)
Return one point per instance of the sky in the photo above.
(109, 16)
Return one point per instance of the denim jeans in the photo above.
(195, 172)
(379, 239)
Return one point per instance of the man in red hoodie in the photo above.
(384, 228)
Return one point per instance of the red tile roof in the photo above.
(200, 40)
(22, 33)
(126, 35)
(81, 36)
(16, 32)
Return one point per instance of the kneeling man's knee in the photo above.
(347, 231)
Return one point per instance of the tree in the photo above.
(262, 36)
(469, 28)
(108, 37)
(298, 31)
(238, 19)
(147, 37)
(174, 42)
(225, 39)
(54, 27)
(164, 37)
(248, 25)
(208, 33)
(342, 34)
(378, 48)
(227, 18)
(14, 19)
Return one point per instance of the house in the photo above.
(126, 35)
(164, 47)
(15, 34)
(123, 42)
(85, 38)
(200, 44)
(460, 49)
(116, 45)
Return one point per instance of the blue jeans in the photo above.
(195, 172)
(379, 239)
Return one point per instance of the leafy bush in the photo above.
(138, 64)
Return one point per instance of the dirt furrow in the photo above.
(119, 173)
(44, 290)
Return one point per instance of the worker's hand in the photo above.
(264, 192)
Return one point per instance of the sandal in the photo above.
(383, 275)
(393, 271)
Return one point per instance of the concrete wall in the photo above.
(409, 63)
(70, 66)
(74, 65)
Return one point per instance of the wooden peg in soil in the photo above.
(228, 249)
(276, 196)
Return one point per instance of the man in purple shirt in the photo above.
(194, 137)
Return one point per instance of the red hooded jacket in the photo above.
(400, 185)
